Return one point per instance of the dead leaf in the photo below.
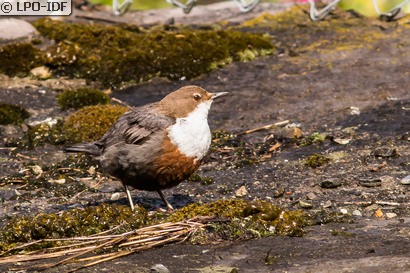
(378, 213)
(342, 141)
(274, 147)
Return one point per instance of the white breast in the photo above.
(191, 134)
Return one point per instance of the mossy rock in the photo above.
(45, 133)
(81, 97)
(19, 59)
(12, 114)
(91, 122)
(263, 217)
(71, 223)
(316, 161)
(220, 208)
(117, 54)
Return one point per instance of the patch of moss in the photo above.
(337, 232)
(115, 54)
(316, 161)
(260, 217)
(19, 59)
(45, 133)
(71, 223)
(12, 114)
(313, 138)
(81, 97)
(203, 180)
(91, 122)
(221, 208)
(340, 31)
(39, 135)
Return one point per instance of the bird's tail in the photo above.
(88, 148)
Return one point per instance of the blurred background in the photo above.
(364, 7)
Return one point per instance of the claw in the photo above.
(127, 191)
(391, 14)
(317, 15)
(187, 7)
(245, 6)
(169, 207)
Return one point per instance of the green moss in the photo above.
(71, 223)
(203, 180)
(316, 160)
(19, 59)
(220, 208)
(45, 133)
(260, 217)
(91, 122)
(39, 135)
(116, 54)
(12, 114)
(81, 97)
(295, 33)
(336, 232)
(313, 138)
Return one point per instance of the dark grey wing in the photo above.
(135, 126)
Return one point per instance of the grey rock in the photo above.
(14, 29)
(330, 183)
(385, 152)
(279, 192)
(405, 180)
(357, 213)
(390, 215)
(159, 268)
(370, 182)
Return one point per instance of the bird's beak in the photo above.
(219, 94)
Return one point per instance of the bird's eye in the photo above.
(197, 96)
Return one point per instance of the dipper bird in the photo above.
(156, 146)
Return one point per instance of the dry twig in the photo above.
(266, 127)
(112, 245)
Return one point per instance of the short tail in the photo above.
(88, 148)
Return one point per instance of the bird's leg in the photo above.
(170, 208)
(127, 191)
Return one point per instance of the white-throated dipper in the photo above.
(156, 146)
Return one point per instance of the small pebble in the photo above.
(372, 207)
(305, 205)
(357, 213)
(115, 196)
(242, 191)
(41, 72)
(370, 182)
(330, 183)
(310, 196)
(36, 169)
(355, 111)
(278, 192)
(343, 211)
(384, 152)
(159, 268)
(390, 215)
(327, 204)
(406, 180)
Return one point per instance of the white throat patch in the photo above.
(192, 135)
